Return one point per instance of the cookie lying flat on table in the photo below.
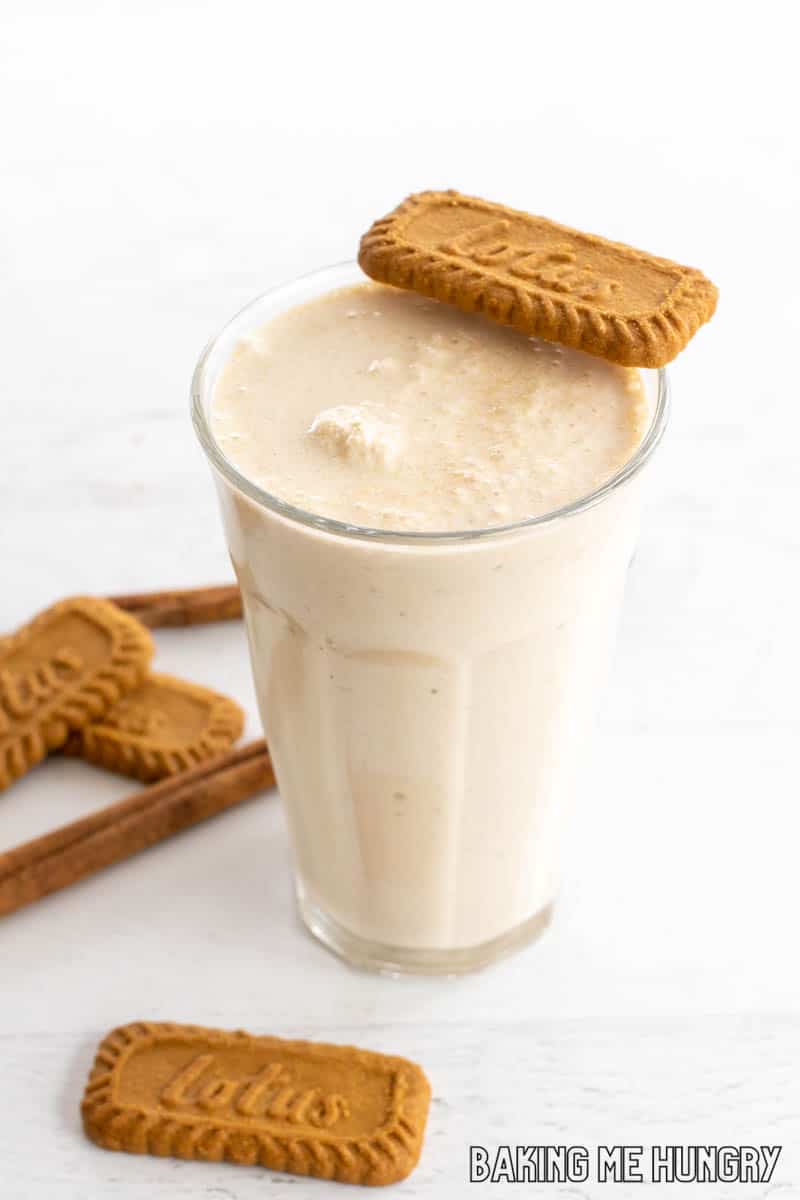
(335, 1112)
(61, 671)
(165, 726)
(543, 279)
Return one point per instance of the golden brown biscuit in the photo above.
(335, 1112)
(61, 671)
(542, 278)
(165, 726)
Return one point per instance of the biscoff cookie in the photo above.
(61, 671)
(335, 1112)
(165, 726)
(539, 277)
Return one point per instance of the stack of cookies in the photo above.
(76, 678)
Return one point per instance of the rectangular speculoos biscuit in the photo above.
(164, 726)
(539, 277)
(62, 670)
(334, 1112)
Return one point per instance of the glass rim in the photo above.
(350, 530)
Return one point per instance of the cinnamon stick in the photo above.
(62, 857)
(186, 606)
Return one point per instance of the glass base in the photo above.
(400, 960)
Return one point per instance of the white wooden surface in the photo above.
(163, 164)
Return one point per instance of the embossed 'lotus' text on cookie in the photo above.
(311, 1109)
(22, 693)
(542, 278)
(269, 1091)
(165, 726)
(68, 666)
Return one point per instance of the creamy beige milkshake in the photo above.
(381, 408)
(425, 675)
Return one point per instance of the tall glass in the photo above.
(426, 697)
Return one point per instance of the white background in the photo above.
(161, 165)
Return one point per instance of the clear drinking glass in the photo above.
(425, 696)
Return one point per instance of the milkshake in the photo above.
(430, 517)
